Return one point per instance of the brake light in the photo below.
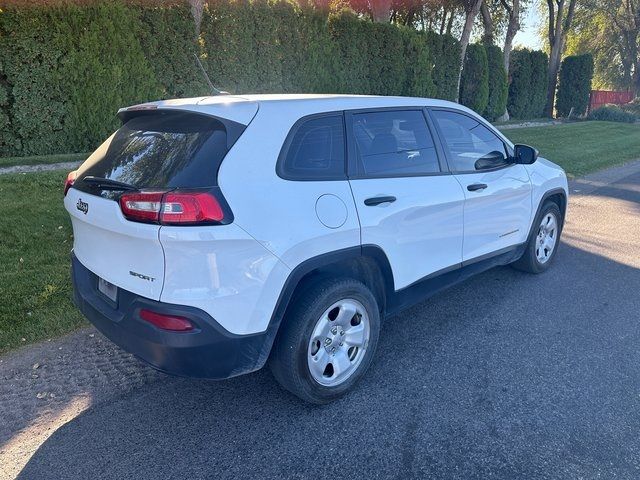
(166, 322)
(68, 183)
(198, 207)
(172, 208)
(142, 206)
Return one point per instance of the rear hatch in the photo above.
(158, 168)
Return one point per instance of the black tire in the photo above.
(529, 261)
(288, 360)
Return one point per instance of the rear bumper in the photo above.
(209, 351)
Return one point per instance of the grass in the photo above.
(43, 159)
(582, 147)
(35, 285)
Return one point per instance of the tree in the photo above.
(471, 9)
(487, 24)
(610, 30)
(560, 16)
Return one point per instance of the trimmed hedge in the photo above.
(474, 83)
(498, 86)
(528, 86)
(63, 85)
(66, 68)
(612, 113)
(574, 85)
(445, 55)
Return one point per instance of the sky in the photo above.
(528, 35)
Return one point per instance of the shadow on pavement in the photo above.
(508, 375)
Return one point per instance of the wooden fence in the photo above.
(599, 98)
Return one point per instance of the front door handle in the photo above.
(369, 202)
(474, 187)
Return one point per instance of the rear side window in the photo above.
(161, 150)
(314, 150)
(394, 143)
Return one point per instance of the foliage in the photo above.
(67, 69)
(574, 85)
(474, 85)
(498, 87)
(418, 59)
(610, 31)
(528, 87)
(168, 39)
(538, 83)
(445, 54)
(612, 113)
(633, 107)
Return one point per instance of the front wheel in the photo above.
(327, 341)
(543, 242)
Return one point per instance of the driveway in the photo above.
(505, 376)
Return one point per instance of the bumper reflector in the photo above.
(166, 322)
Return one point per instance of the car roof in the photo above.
(242, 108)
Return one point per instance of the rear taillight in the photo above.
(173, 208)
(68, 183)
(166, 322)
(141, 206)
(198, 207)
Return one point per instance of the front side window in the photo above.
(315, 150)
(394, 143)
(470, 144)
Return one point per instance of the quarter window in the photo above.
(394, 143)
(315, 151)
(471, 145)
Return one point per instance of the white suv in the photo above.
(214, 234)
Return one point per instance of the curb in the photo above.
(588, 183)
(46, 167)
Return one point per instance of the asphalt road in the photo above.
(508, 376)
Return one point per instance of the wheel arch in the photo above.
(557, 196)
(366, 263)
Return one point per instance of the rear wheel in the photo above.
(327, 340)
(543, 241)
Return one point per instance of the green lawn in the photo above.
(35, 286)
(582, 147)
(37, 160)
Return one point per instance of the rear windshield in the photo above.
(161, 150)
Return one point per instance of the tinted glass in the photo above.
(471, 145)
(316, 151)
(161, 150)
(394, 143)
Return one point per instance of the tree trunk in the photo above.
(444, 21)
(559, 24)
(471, 10)
(487, 24)
(197, 8)
(512, 28)
(381, 10)
(450, 23)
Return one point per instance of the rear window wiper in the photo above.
(108, 184)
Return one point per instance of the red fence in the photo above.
(602, 97)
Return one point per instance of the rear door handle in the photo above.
(369, 202)
(476, 186)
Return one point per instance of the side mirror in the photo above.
(524, 154)
(491, 160)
